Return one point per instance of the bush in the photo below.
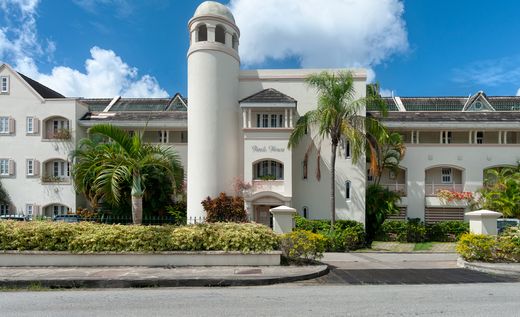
(446, 231)
(412, 230)
(302, 244)
(225, 208)
(90, 237)
(348, 235)
(508, 245)
(477, 247)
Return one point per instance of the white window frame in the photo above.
(4, 167)
(30, 124)
(59, 210)
(447, 175)
(163, 136)
(4, 125)
(269, 120)
(60, 169)
(29, 209)
(447, 137)
(30, 167)
(4, 84)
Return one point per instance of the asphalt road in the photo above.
(494, 299)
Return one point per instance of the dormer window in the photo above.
(478, 105)
(269, 120)
(4, 84)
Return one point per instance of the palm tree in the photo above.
(340, 116)
(111, 161)
(386, 153)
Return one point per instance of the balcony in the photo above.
(400, 189)
(56, 128)
(277, 186)
(431, 190)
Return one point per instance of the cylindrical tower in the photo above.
(213, 70)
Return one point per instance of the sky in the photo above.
(137, 48)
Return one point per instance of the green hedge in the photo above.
(88, 237)
(347, 234)
(486, 248)
(414, 230)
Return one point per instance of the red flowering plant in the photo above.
(449, 196)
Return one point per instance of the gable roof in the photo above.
(176, 103)
(479, 95)
(268, 95)
(42, 90)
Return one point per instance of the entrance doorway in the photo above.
(263, 216)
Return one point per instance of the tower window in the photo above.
(347, 190)
(202, 33)
(220, 34)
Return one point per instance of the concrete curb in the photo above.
(510, 269)
(142, 282)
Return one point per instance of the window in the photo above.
(220, 34)
(4, 209)
(478, 105)
(480, 137)
(29, 209)
(415, 137)
(268, 170)
(4, 84)
(347, 190)
(30, 167)
(60, 169)
(163, 136)
(305, 212)
(4, 124)
(202, 33)
(30, 125)
(446, 176)
(4, 167)
(265, 120)
(304, 169)
(347, 149)
(446, 137)
(59, 210)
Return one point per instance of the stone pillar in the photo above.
(483, 221)
(283, 219)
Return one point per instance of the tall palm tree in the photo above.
(388, 153)
(338, 116)
(111, 162)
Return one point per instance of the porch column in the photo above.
(249, 118)
(470, 141)
(499, 137)
(440, 137)
(290, 118)
(286, 119)
(244, 118)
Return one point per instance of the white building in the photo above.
(239, 125)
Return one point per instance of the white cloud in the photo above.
(105, 74)
(335, 33)
(386, 92)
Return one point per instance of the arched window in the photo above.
(305, 212)
(268, 170)
(202, 33)
(220, 34)
(235, 42)
(347, 190)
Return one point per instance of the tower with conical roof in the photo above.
(213, 133)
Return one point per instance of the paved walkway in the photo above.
(115, 277)
(376, 260)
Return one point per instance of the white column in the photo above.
(283, 219)
(469, 137)
(505, 137)
(211, 33)
(286, 119)
(499, 137)
(244, 118)
(249, 118)
(440, 137)
(483, 221)
(290, 118)
(417, 132)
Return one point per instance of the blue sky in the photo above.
(138, 48)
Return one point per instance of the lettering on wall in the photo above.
(267, 149)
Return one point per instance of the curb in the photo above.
(155, 282)
(487, 268)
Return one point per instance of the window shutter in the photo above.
(27, 166)
(36, 126)
(11, 125)
(36, 168)
(11, 167)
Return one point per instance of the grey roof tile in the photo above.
(44, 91)
(269, 95)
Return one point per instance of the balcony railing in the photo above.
(55, 179)
(396, 188)
(277, 186)
(432, 189)
(60, 134)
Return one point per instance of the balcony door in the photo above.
(262, 215)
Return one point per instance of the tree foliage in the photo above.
(111, 165)
(501, 191)
(225, 208)
(379, 204)
(4, 196)
(339, 116)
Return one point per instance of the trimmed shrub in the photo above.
(446, 231)
(303, 244)
(348, 235)
(90, 237)
(508, 245)
(225, 208)
(477, 247)
(412, 230)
